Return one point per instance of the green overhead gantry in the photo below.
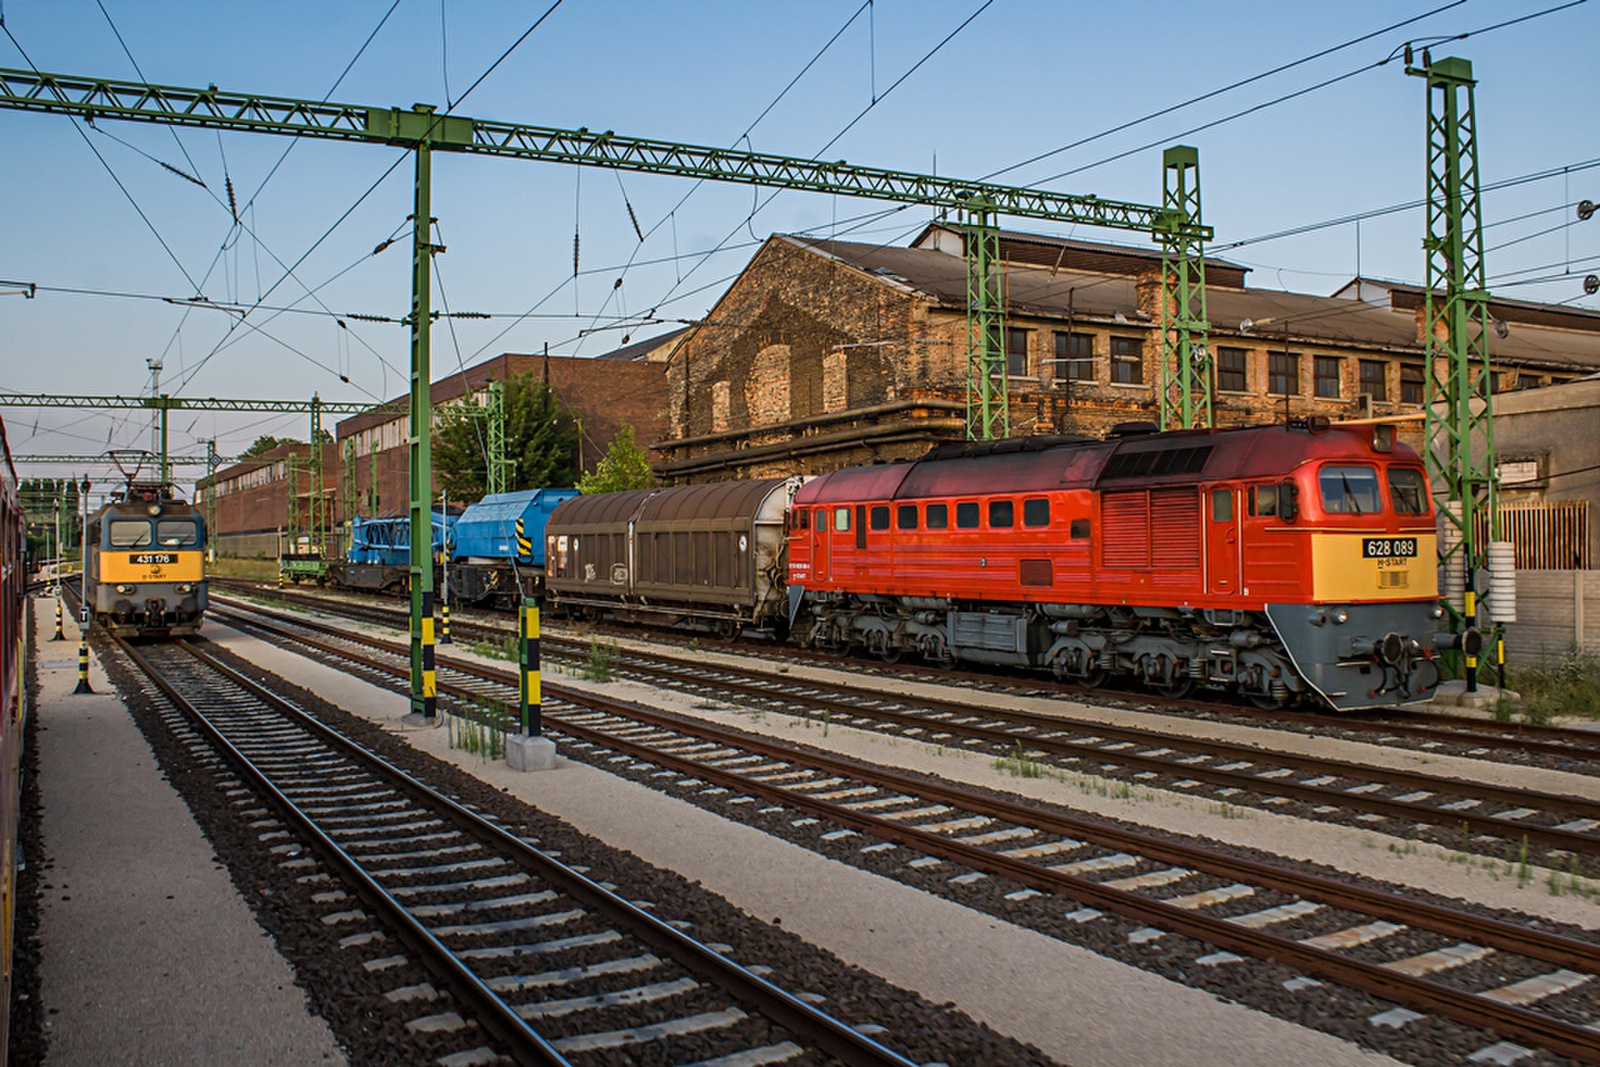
(423, 130)
(165, 404)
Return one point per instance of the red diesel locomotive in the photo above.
(1279, 562)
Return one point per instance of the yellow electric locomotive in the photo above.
(146, 563)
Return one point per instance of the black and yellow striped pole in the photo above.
(83, 665)
(430, 683)
(444, 623)
(532, 695)
(60, 636)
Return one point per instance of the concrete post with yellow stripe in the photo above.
(529, 749)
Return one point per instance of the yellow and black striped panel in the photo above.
(120, 566)
(1355, 567)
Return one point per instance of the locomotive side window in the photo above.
(938, 516)
(1036, 512)
(1222, 505)
(176, 533)
(967, 515)
(905, 516)
(1001, 514)
(130, 533)
(880, 516)
(1349, 490)
(1080, 529)
(802, 519)
(1264, 500)
(841, 519)
(1408, 492)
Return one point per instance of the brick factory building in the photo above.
(825, 354)
(626, 385)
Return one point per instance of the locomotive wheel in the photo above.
(1091, 679)
(889, 654)
(1179, 689)
(1268, 702)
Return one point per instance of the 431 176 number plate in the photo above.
(1388, 547)
(145, 559)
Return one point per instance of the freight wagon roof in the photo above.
(737, 500)
(1155, 459)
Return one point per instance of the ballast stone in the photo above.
(524, 753)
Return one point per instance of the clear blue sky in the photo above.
(1024, 77)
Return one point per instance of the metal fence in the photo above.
(1548, 536)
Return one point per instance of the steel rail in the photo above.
(1470, 1009)
(811, 1024)
(527, 1045)
(1547, 837)
(1423, 726)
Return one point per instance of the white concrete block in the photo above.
(524, 753)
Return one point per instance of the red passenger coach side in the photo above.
(1180, 559)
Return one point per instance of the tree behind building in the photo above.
(625, 466)
(541, 440)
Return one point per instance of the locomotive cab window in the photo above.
(130, 533)
(1222, 505)
(1408, 491)
(1036, 513)
(1264, 500)
(1349, 490)
(967, 515)
(177, 533)
(905, 516)
(802, 520)
(938, 516)
(841, 519)
(880, 516)
(1001, 514)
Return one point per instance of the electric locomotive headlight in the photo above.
(126, 589)
(1438, 611)
(185, 587)
(154, 509)
(1341, 616)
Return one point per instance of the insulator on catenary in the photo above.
(574, 255)
(634, 219)
(233, 203)
(1503, 581)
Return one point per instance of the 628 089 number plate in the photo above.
(1388, 547)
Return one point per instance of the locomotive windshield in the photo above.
(1408, 492)
(130, 533)
(1350, 490)
(177, 533)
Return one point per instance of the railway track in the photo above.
(1467, 814)
(1529, 986)
(1426, 730)
(555, 967)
